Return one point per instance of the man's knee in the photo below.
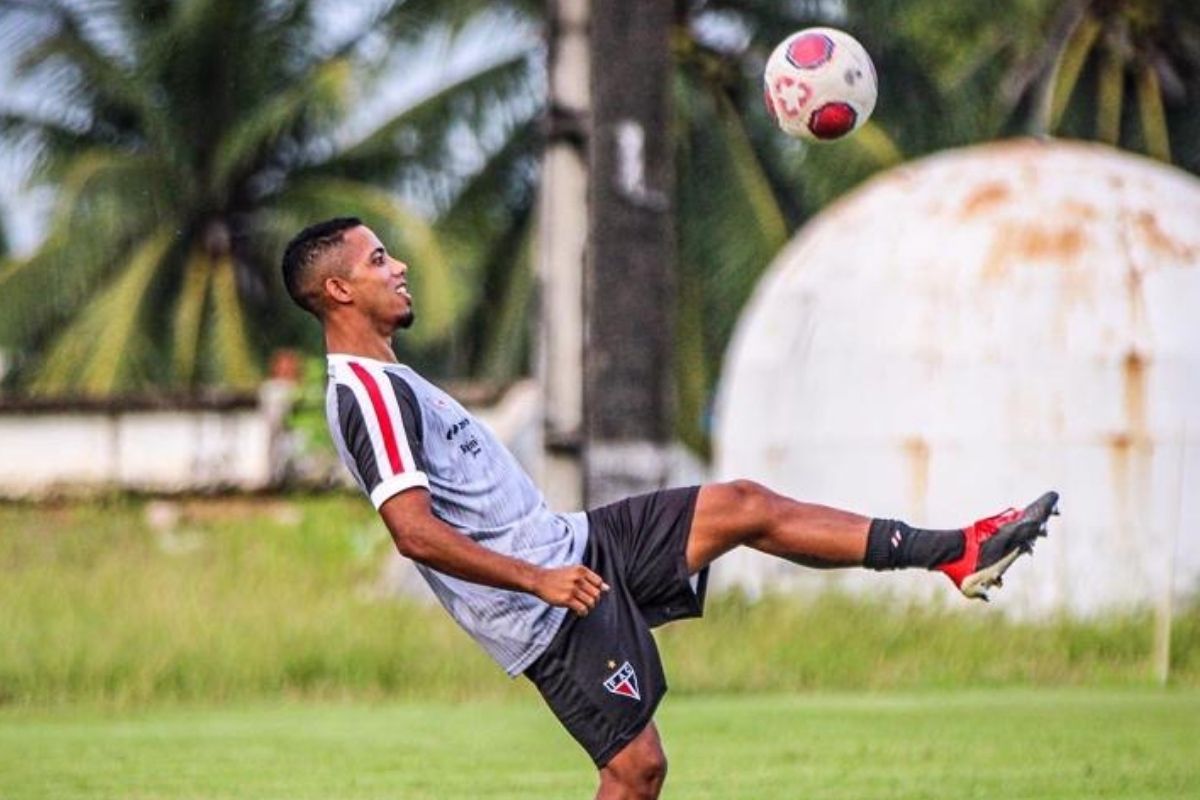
(750, 501)
(729, 515)
(637, 772)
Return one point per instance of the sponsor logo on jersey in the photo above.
(624, 682)
(471, 447)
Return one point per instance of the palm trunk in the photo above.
(629, 292)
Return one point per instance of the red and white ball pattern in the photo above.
(819, 84)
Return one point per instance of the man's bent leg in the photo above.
(974, 558)
(637, 771)
(746, 513)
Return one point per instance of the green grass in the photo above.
(1060, 744)
(246, 599)
(248, 651)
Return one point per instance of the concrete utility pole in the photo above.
(629, 291)
(606, 250)
(562, 245)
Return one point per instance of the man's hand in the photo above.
(576, 588)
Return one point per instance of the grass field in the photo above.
(245, 600)
(1028, 744)
(253, 648)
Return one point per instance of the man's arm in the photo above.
(421, 536)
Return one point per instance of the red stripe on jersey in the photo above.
(381, 413)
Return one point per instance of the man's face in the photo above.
(379, 283)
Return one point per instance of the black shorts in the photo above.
(601, 674)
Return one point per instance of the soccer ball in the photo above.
(819, 84)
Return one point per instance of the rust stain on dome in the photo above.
(1018, 243)
(1147, 225)
(1035, 241)
(1133, 370)
(1075, 208)
(987, 196)
(916, 452)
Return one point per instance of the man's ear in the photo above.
(338, 289)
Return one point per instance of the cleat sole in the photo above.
(976, 584)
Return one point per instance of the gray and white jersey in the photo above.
(395, 431)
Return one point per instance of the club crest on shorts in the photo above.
(624, 682)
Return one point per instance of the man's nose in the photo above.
(399, 267)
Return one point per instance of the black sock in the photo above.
(892, 545)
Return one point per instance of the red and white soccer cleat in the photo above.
(993, 544)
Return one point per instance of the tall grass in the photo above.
(238, 598)
(129, 602)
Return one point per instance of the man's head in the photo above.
(340, 266)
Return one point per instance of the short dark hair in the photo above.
(302, 253)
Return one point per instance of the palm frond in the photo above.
(189, 314)
(418, 136)
(875, 142)
(106, 201)
(101, 79)
(751, 181)
(19, 126)
(104, 345)
(1111, 89)
(484, 207)
(407, 22)
(731, 226)
(507, 332)
(324, 90)
(1153, 117)
(234, 359)
(694, 367)
(1067, 68)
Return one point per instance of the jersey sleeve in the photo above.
(378, 431)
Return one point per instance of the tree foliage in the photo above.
(187, 141)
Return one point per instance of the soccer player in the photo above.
(568, 600)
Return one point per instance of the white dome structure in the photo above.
(966, 331)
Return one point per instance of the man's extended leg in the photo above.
(637, 772)
(745, 513)
(738, 513)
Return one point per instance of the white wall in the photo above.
(160, 450)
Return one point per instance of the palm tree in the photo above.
(1149, 46)
(188, 140)
(1041, 66)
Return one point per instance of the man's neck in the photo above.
(366, 344)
